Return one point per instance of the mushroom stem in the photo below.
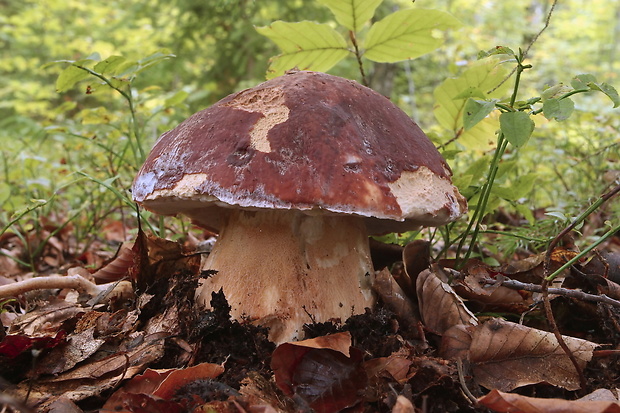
(287, 268)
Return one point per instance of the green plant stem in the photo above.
(502, 144)
(358, 56)
(583, 253)
(138, 149)
(595, 205)
(476, 219)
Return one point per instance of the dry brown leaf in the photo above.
(120, 267)
(507, 355)
(93, 378)
(161, 383)
(47, 319)
(395, 298)
(475, 286)
(325, 371)
(396, 365)
(440, 307)
(515, 403)
(416, 258)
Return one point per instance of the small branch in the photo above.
(75, 282)
(558, 336)
(529, 46)
(565, 292)
(358, 55)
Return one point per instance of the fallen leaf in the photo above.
(515, 403)
(157, 385)
(15, 344)
(507, 355)
(395, 365)
(440, 307)
(395, 298)
(325, 371)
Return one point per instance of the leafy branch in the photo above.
(402, 35)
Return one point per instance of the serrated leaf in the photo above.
(305, 45)
(470, 92)
(484, 76)
(517, 127)
(406, 34)
(352, 14)
(151, 60)
(558, 109)
(609, 90)
(555, 91)
(497, 50)
(476, 110)
(69, 77)
(581, 81)
(111, 65)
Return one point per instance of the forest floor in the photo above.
(121, 334)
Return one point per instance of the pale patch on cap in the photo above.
(269, 102)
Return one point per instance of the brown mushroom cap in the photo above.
(306, 141)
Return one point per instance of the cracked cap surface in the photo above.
(307, 141)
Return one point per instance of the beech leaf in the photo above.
(482, 80)
(507, 355)
(305, 45)
(326, 372)
(515, 403)
(440, 307)
(352, 14)
(406, 34)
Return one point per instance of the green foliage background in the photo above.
(60, 153)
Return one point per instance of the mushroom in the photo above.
(295, 174)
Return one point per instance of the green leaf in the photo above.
(175, 99)
(112, 65)
(470, 92)
(609, 90)
(352, 14)
(484, 76)
(69, 77)
(151, 60)
(305, 45)
(555, 91)
(476, 110)
(582, 81)
(518, 189)
(587, 81)
(406, 34)
(517, 127)
(558, 109)
(497, 50)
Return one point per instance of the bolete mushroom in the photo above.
(295, 174)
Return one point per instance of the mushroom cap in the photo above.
(307, 141)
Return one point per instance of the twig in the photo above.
(468, 393)
(75, 282)
(358, 56)
(556, 332)
(565, 292)
(548, 279)
(529, 46)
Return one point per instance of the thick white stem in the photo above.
(282, 269)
